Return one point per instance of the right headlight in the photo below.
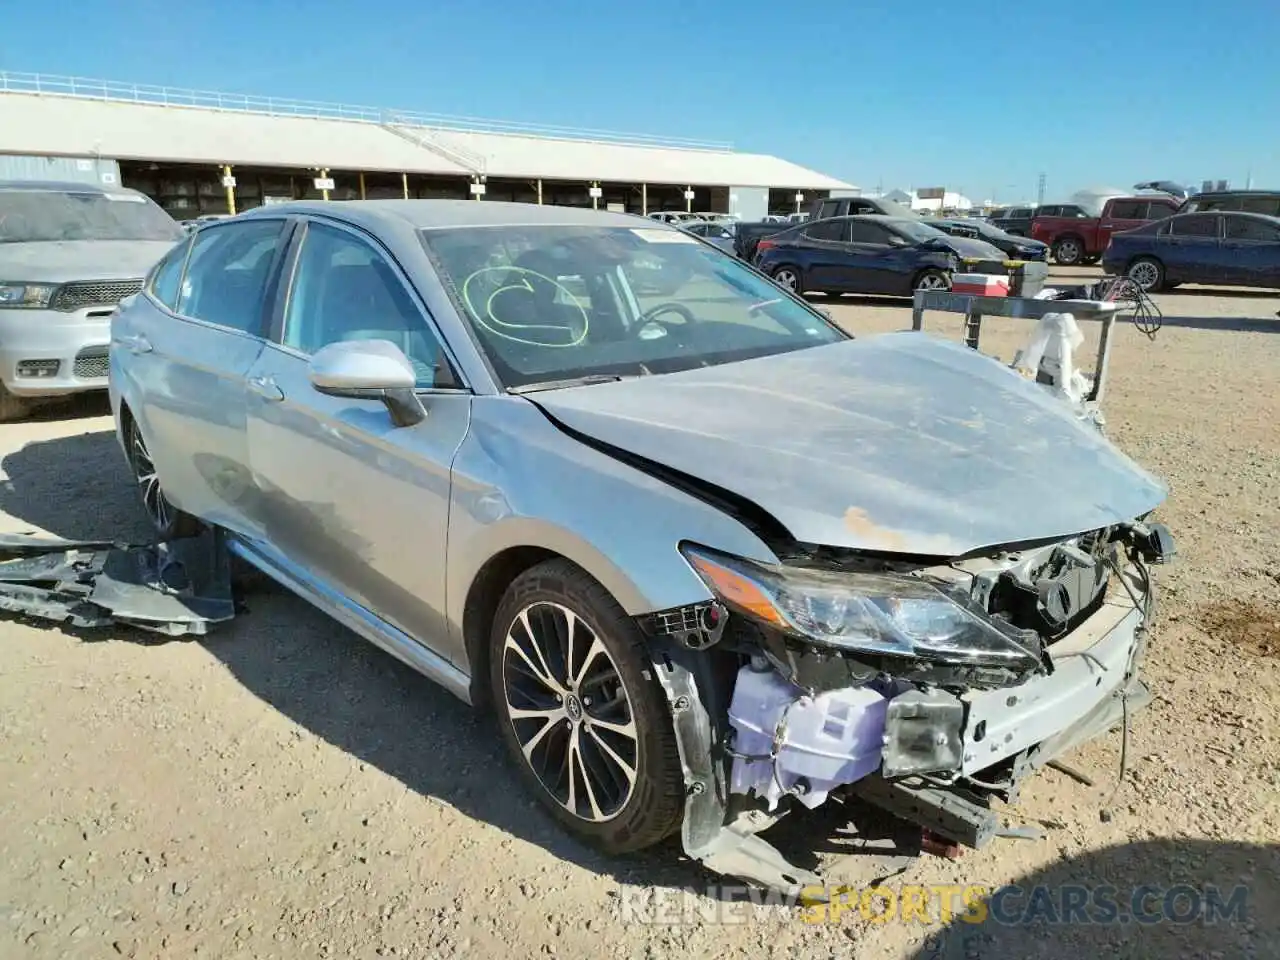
(35, 296)
(870, 613)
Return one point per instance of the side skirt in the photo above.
(351, 615)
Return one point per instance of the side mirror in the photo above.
(369, 370)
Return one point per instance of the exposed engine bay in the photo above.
(928, 689)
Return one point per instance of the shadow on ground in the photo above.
(343, 689)
(1225, 324)
(1149, 899)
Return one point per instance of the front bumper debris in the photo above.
(993, 740)
(176, 588)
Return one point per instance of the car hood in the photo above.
(901, 443)
(62, 260)
(972, 249)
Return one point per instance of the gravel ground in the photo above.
(285, 790)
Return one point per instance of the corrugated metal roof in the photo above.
(511, 155)
(71, 126)
(83, 126)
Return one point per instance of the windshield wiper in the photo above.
(568, 382)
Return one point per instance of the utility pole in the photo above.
(1040, 190)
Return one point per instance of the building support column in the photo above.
(404, 184)
(324, 175)
(595, 194)
(644, 199)
(229, 183)
(539, 192)
(362, 185)
(688, 199)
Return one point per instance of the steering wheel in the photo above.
(669, 306)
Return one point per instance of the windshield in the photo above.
(33, 216)
(550, 303)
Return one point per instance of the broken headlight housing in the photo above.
(870, 613)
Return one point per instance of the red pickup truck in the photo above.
(1075, 240)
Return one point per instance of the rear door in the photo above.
(1192, 250)
(343, 492)
(1252, 251)
(824, 247)
(191, 357)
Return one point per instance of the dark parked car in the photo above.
(1230, 249)
(1266, 202)
(1019, 248)
(867, 254)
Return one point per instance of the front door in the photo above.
(871, 261)
(1252, 251)
(342, 491)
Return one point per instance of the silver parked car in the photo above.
(707, 557)
(68, 253)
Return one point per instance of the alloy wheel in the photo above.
(570, 711)
(144, 470)
(1068, 252)
(1145, 274)
(787, 279)
(932, 281)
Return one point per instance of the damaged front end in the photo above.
(926, 689)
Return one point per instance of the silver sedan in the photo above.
(705, 556)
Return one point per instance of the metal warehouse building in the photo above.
(201, 153)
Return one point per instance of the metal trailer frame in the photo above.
(975, 307)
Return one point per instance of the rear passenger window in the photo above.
(1195, 225)
(1158, 211)
(829, 208)
(826, 230)
(227, 274)
(167, 273)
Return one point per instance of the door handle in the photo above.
(134, 343)
(266, 388)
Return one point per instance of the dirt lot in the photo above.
(285, 790)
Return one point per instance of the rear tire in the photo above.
(13, 407)
(168, 521)
(789, 278)
(589, 731)
(1147, 273)
(1068, 252)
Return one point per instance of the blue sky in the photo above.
(901, 94)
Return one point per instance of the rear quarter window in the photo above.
(166, 274)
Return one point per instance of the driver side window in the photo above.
(344, 289)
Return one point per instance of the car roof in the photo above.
(57, 186)
(1235, 193)
(441, 214)
(1233, 214)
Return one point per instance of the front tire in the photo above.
(588, 730)
(168, 521)
(789, 278)
(932, 279)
